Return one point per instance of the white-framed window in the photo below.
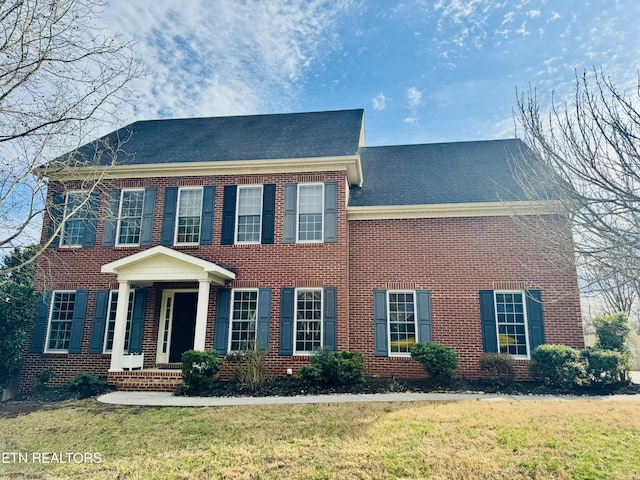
(308, 320)
(111, 321)
(188, 216)
(403, 323)
(130, 217)
(60, 321)
(249, 214)
(310, 210)
(243, 319)
(76, 212)
(511, 322)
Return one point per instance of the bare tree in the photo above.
(588, 150)
(60, 81)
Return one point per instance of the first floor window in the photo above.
(249, 213)
(308, 320)
(189, 214)
(60, 321)
(511, 321)
(130, 217)
(310, 212)
(76, 212)
(244, 314)
(111, 321)
(402, 322)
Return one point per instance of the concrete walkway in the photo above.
(163, 399)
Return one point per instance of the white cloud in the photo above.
(534, 13)
(379, 102)
(223, 57)
(414, 97)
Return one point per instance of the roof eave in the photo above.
(450, 210)
(349, 163)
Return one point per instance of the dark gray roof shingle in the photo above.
(438, 173)
(253, 137)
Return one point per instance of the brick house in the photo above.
(287, 231)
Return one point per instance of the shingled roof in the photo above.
(252, 137)
(438, 173)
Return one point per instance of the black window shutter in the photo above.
(286, 320)
(169, 216)
(331, 212)
(91, 222)
(56, 214)
(424, 315)
(330, 314)
(380, 333)
(111, 221)
(99, 321)
(148, 212)
(77, 323)
(223, 309)
(290, 202)
(137, 320)
(488, 322)
(40, 326)
(535, 318)
(229, 215)
(206, 226)
(268, 213)
(264, 318)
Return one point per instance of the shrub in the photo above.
(605, 367)
(250, 369)
(84, 385)
(498, 368)
(43, 379)
(558, 366)
(199, 370)
(439, 362)
(333, 368)
(612, 332)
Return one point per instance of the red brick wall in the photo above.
(454, 258)
(257, 266)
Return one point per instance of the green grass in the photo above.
(553, 439)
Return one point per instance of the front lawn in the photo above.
(583, 439)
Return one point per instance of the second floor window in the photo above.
(249, 214)
(310, 212)
(76, 213)
(130, 217)
(189, 214)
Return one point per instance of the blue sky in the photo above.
(424, 71)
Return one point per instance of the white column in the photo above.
(121, 327)
(201, 316)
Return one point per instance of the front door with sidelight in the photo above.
(177, 325)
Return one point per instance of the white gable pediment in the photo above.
(162, 264)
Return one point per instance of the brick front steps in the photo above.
(150, 380)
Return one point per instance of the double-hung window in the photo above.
(308, 320)
(310, 212)
(402, 322)
(249, 214)
(244, 315)
(130, 217)
(60, 321)
(188, 216)
(111, 321)
(511, 321)
(76, 213)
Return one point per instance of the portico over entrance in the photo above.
(162, 264)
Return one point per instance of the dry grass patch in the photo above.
(578, 439)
